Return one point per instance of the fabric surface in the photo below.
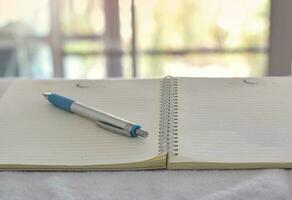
(157, 184)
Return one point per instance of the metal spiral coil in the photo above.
(168, 131)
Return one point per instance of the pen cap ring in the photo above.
(134, 130)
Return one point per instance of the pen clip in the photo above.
(113, 128)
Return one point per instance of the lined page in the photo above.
(36, 133)
(235, 120)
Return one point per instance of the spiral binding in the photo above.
(168, 131)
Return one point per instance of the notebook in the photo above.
(193, 123)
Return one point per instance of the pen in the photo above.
(103, 119)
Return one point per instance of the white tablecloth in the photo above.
(158, 184)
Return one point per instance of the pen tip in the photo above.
(142, 133)
(46, 95)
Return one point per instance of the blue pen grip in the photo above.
(61, 102)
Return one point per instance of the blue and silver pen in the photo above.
(104, 120)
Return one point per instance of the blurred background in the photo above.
(96, 39)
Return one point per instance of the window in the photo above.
(154, 38)
(24, 27)
(203, 37)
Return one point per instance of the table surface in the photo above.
(154, 184)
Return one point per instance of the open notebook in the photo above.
(193, 123)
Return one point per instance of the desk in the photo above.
(159, 184)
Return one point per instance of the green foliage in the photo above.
(207, 24)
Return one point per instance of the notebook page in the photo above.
(235, 121)
(36, 133)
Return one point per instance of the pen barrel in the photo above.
(94, 114)
(102, 119)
